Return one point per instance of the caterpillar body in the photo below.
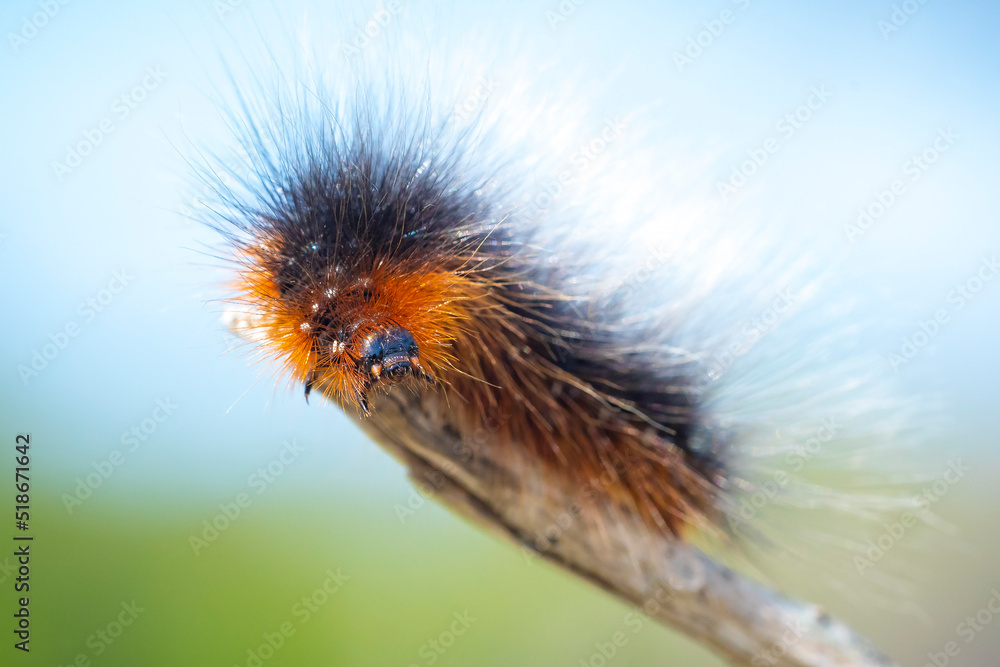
(387, 243)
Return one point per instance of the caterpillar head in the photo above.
(388, 355)
(347, 326)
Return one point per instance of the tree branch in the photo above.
(668, 579)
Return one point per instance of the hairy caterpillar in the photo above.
(378, 263)
(388, 245)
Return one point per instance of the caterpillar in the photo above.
(395, 255)
(378, 262)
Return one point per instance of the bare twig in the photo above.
(670, 580)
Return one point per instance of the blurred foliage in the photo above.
(402, 589)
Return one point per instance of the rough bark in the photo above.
(668, 579)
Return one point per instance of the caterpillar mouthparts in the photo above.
(391, 355)
(388, 357)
